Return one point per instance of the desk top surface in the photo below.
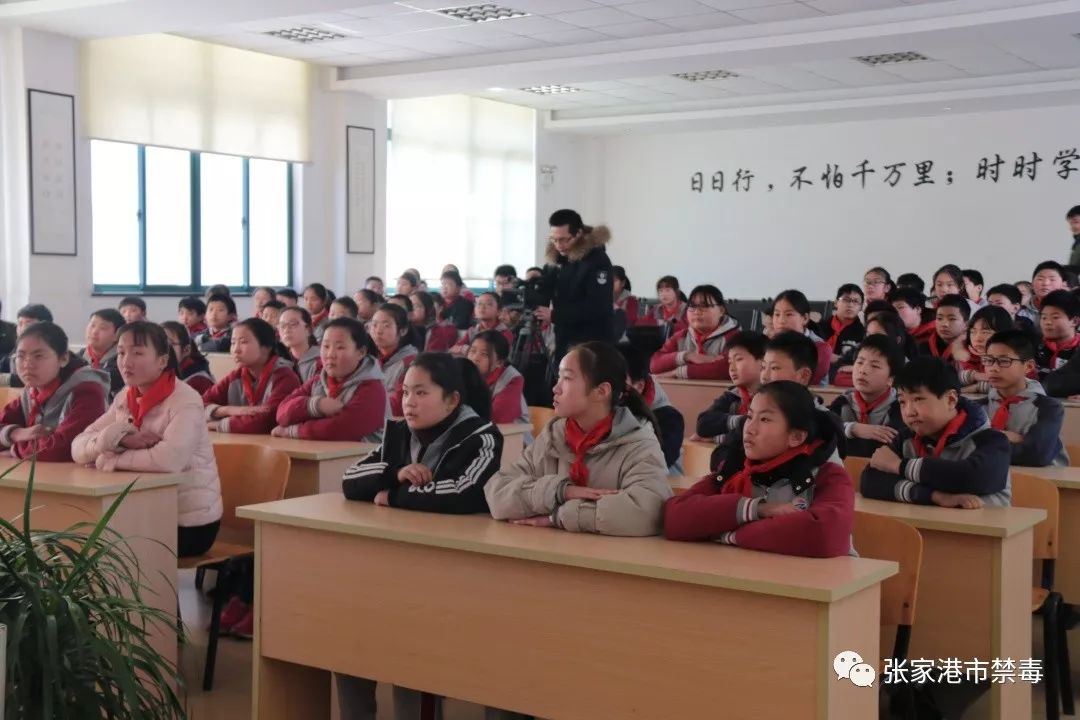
(298, 449)
(72, 479)
(708, 564)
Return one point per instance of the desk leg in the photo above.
(1011, 627)
(1067, 572)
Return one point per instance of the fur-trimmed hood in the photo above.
(594, 237)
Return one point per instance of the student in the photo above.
(699, 352)
(260, 296)
(791, 311)
(869, 411)
(877, 284)
(8, 336)
(62, 396)
(344, 307)
(1027, 292)
(912, 281)
(1057, 318)
(288, 297)
(317, 301)
(390, 330)
(346, 400)
(220, 315)
(191, 313)
(406, 284)
(745, 354)
(156, 425)
(100, 349)
(785, 493)
(375, 284)
(984, 324)
(297, 336)
(910, 305)
(598, 466)
(246, 400)
(489, 352)
(132, 309)
(271, 312)
(1049, 276)
(217, 290)
(486, 309)
(438, 459)
(505, 277)
(669, 420)
(28, 315)
(767, 328)
(973, 286)
(192, 367)
(1008, 298)
(1018, 406)
(948, 280)
(845, 331)
(950, 327)
(1073, 219)
(423, 316)
(891, 326)
(670, 313)
(367, 302)
(950, 456)
(458, 310)
(624, 300)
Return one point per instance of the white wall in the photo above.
(577, 179)
(758, 243)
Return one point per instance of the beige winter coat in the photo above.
(185, 447)
(628, 460)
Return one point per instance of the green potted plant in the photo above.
(78, 642)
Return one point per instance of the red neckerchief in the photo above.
(140, 403)
(838, 327)
(333, 385)
(385, 357)
(494, 375)
(949, 431)
(943, 354)
(866, 408)
(925, 330)
(1001, 417)
(740, 482)
(649, 393)
(196, 328)
(254, 395)
(217, 334)
(744, 403)
(974, 362)
(482, 326)
(94, 358)
(668, 315)
(185, 364)
(1056, 348)
(38, 398)
(699, 340)
(316, 319)
(580, 442)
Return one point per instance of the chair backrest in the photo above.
(855, 466)
(884, 538)
(697, 458)
(539, 417)
(1035, 492)
(249, 474)
(1074, 455)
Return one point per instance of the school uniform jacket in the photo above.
(458, 312)
(196, 373)
(1064, 381)
(712, 510)
(670, 420)
(466, 338)
(393, 370)
(731, 443)
(109, 366)
(309, 364)
(672, 356)
(508, 398)
(975, 461)
(847, 343)
(1038, 419)
(629, 460)
(1047, 361)
(630, 306)
(184, 447)
(441, 337)
(217, 342)
(366, 408)
(462, 459)
(230, 391)
(677, 323)
(721, 417)
(80, 400)
(847, 409)
(824, 359)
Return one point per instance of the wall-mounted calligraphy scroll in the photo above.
(360, 189)
(51, 147)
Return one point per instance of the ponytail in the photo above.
(602, 363)
(457, 375)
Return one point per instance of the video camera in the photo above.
(531, 294)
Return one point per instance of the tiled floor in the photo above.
(231, 697)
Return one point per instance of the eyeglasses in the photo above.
(872, 283)
(706, 306)
(851, 300)
(290, 325)
(1001, 362)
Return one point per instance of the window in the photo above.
(461, 186)
(175, 221)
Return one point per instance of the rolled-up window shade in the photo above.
(175, 92)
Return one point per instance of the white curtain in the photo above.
(462, 186)
(174, 92)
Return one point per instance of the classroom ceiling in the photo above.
(609, 65)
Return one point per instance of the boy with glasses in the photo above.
(844, 331)
(1018, 406)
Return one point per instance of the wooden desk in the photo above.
(317, 465)
(974, 590)
(1067, 567)
(7, 394)
(221, 364)
(65, 494)
(1070, 428)
(710, 626)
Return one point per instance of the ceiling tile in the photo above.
(635, 29)
(1050, 54)
(996, 65)
(434, 4)
(728, 5)
(699, 91)
(428, 43)
(566, 37)
(849, 72)
(550, 7)
(419, 21)
(510, 42)
(249, 40)
(836, 7)
(354, 46)
(399, 54)
(923, 71)
(744, 86)
(534, 25)
(776, 13)
(596, 18)
(660, 9)
(789, 77)
(378, 10)
(357, 60)
(711, 21)
(303, 51)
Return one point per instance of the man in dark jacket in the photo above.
(583, 305)
(7, 337)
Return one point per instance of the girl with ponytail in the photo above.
(597, 467)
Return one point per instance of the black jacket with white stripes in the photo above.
(461, 459)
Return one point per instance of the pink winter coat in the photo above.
(184, 447)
